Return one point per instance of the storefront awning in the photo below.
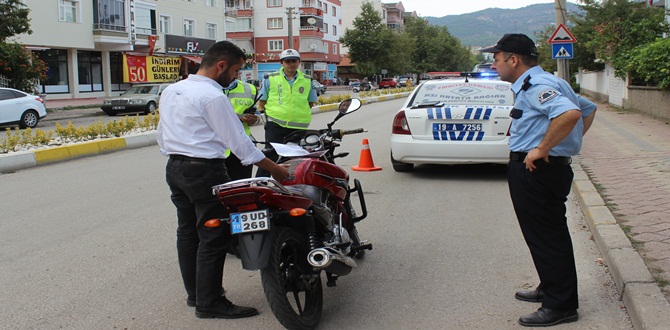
(196, 59)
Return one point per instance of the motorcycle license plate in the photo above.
(247, 222)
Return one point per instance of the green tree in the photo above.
(613, 29)
(436, 49)
(13, 19)
(19, 65)
(368, 42)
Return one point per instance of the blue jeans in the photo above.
(201, 250)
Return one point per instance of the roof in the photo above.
(345, 61)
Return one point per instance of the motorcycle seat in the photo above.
(312, 192)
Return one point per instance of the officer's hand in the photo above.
(534, 155)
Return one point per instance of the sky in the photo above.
(439, 8)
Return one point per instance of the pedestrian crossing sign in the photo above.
(561, 51)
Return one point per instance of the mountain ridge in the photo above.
(485, 27)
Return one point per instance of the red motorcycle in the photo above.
(296, 229)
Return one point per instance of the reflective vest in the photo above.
(289, 106)
(242, 97)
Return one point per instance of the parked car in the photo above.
(17, 107)
(357, 87)
(402, 82)
(139, 98)
(318, 87)
(388, 83)
(466, 122)
(353, 81)
(485, 70)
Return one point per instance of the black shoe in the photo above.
(545, 317)
(224, 309)
(530, 295)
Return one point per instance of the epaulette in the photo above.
(526, 84)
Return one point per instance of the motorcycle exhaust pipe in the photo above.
(331, 261)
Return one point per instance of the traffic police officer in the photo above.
(287, 98)
(242, 95)
(549, 120)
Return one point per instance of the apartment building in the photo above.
(98, 48)
(264, 28)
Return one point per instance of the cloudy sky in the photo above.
(441, 8)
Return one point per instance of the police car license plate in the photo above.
(457, 127)
(247, 222)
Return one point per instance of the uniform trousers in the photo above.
(235, 168)
(201, 250)
(539, 203)
(274, 133)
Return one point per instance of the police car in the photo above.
(463, 120)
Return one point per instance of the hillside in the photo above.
(485, 27)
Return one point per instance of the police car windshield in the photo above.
(459, 92)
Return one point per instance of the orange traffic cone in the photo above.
(365, 163)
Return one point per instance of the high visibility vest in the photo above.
(289, 106)
(242, 97)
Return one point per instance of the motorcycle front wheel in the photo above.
(293, 290)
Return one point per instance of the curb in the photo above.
(22, 160)
(644, 301)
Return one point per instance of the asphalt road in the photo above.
(89, 244)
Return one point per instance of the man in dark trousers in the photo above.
(549, 120)
(197, 126)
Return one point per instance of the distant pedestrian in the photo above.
(549, 120)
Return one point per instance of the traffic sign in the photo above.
(562, 35)
(561, 51)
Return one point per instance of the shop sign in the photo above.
(320, 66)
(137, 69)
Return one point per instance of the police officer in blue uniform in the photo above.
(549, 120)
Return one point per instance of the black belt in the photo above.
(198, 160)
(555, 160)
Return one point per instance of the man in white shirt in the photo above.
(197, 126)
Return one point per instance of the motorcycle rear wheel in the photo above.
(294, 293)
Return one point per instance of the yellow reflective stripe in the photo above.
(288, 123)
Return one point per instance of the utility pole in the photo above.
(289, 13)
(563, 65)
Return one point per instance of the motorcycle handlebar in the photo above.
(352, 131)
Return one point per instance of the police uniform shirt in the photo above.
(265, 87)
(197, 120)
(546, 98)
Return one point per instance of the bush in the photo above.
(650, 64)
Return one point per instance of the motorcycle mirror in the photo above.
(349, 106)
(346, 107)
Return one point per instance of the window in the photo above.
(334, 11)
(68, 11)
(165, 24)
(275, 45)
(189, 27)
(325, 28)
(275, 23)
(145, 21)
(247, 4)
(111, 15)
(242, 24)
(334, 29)
(211, 31)
(334, 49)
(116, 72)
(90, 71)
(275, 3)
(56, 80)
(325, 8)
(210, 3)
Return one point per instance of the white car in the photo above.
(17, 107)
(453, 121)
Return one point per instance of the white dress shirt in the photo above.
(198, 120)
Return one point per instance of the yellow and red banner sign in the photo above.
(138, 69)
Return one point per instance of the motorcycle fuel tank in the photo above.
(316, 172)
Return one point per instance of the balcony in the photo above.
(309, 4)
(230, 12)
